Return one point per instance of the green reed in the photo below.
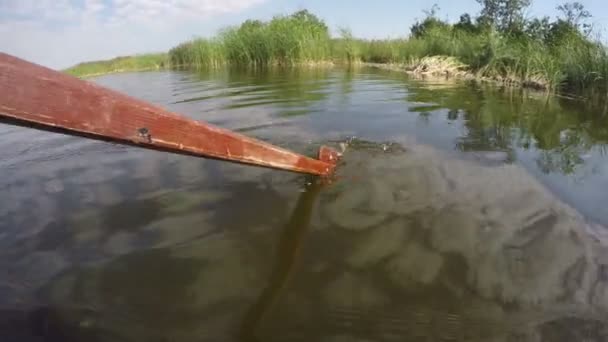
(571, 63)
(198, 53)
(564, 59)
(285, 40)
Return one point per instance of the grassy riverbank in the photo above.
(570, 62)
(539, 53)
(554, 55)
(142, 62)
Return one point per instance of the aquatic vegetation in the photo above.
(213, 248)
(53, 186)
(529, 236)
(381, 242)
(107, 195)
(198, 53)
(476, 240)
(415, 264)
(298, 38)
(174, 230)
(119, 243)
(231, 278)
(517, 242)
(350, 290)
(543, 55)
(417, 188)
(455, 229)
(530, 265)
(190, 170)
(374, 196)
(184, 200)
(346, 48)
(341, 338)
(556, 56)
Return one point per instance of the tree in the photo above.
(575, 14)
(305, 16)
(251, 25)
(432, 12)
(506, 15)
(570, 25)
(538, 28)
(465, 24)
(430, 22)
(561, 31)
(489, 12)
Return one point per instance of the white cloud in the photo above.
(60, 33)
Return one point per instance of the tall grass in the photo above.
(569, 64)
(347, 48)
(285, 40)
(562, 59)
(199, 53)
(584, 64)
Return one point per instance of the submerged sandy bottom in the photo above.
(406, 244)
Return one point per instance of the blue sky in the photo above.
(60, 33)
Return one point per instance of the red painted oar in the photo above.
(38, 97)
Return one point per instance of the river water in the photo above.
(459, 213)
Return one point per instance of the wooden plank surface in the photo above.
(38, 97)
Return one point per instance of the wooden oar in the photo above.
(38, 97)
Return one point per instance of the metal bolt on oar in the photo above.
(38, 97)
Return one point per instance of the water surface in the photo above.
(459, 213)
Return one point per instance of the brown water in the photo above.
(459, 213)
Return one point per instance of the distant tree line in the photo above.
(508, 18)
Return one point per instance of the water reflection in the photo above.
(506, 119)
(289, 248)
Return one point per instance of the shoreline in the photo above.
(415, 69)
(463, 75)
(118, 71)
(556, 61)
